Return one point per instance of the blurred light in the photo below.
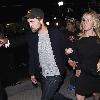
(18, 5)
(54, 18)
(48, 23)
(7, 24)
(57, 23)
(61, 3)
(23, 29)
(3, 6)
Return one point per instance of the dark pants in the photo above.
(3, 94)
(50, 88)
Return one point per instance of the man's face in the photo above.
(35, 24)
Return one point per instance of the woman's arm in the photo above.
(98, 66)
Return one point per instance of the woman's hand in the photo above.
(78, 72)
(72, 63)
(68, 51)
(98, 66)
(33, 79)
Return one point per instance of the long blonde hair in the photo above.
(96, 23)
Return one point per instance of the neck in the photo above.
(73, 30)
(89, 33)
(43, 30)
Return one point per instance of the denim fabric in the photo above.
(50, 88)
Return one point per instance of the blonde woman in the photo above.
(88, 48)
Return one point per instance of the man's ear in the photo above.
(41, 21)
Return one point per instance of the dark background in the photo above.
(14, 10)
(14, 61)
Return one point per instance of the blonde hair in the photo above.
(96, 23)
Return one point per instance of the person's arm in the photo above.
(98, 63)
(74, 58)
(13, 41)
(98, 67)
(74, 62)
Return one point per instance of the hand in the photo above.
(72, 63)
(68, 51)
(78, 72)
(33, 79)
(3, 40)
(98, 66)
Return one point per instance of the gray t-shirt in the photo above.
(46, 56)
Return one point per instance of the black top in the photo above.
(88, 49)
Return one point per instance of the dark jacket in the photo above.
(58, 44)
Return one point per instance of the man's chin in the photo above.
(34, 31)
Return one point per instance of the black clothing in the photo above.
(71, 37)
(3, 94)
(58, 44)
(88, 49)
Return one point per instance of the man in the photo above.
(3, 93)
(46, 55)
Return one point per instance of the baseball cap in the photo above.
(35, 13)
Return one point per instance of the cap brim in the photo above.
(29, 16)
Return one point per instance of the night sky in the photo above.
(14, 10)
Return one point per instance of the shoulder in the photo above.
(30, 34)
(98, 40)
(54, 29)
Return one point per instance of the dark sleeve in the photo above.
(32, 62)
(33, 55)
(65, 41)
(75, 55)
(18, 40)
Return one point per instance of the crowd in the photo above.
(52, 50)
